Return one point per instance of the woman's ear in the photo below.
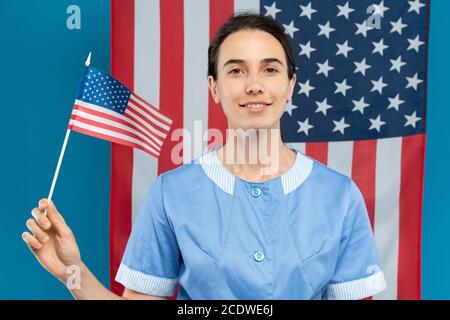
(212, 85)
(292, 82)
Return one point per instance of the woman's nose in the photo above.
(254, 85)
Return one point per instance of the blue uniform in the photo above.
(303, 235)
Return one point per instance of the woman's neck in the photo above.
(256, 155)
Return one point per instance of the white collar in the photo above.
(224, 179)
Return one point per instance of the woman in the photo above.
(282, 227)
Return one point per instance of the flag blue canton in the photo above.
(361, 68)
(99, 88)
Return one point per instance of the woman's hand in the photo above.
(52, 241)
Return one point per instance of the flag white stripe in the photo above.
(106, 111)
(196, 42)
(151, 109)
(80, 113)
(111, 133)
(158, 137)
(246, 5)
(300, 146)
(147, 85)
(387, 210)
(340, 157)
(135, 108)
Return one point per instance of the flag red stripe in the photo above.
(122, 66)
(146, 133)
(364, 172)
(318, 151)
(144, 122)
(113, 129)
(155, 137)
(145, 106)
(364, 175)
(111, 138)
(411, 191)
(172, 73)
(153, 121)
(219, 12)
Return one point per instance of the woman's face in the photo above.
(252, 80)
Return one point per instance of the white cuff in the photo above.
(145, 283)
(356, 289)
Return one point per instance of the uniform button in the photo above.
(256, 192)
(259, 256)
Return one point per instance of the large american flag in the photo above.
(359, 105)
(108, 110)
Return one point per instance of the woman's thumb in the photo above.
(56, 219)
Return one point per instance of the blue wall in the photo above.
(436, 215)
(42, 63)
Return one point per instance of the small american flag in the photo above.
(108, 110)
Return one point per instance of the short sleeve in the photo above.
(358, 272)
(151, 262)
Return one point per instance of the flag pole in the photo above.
(63, 150)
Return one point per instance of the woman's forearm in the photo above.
(83, 285)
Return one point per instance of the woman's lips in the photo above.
(256, 107)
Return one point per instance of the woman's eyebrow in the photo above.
(240, 61)
(271, 60)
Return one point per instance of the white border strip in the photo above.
(145, 283)
(356, 289)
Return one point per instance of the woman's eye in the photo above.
(235, 71)
(272, 70)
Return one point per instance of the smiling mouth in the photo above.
(255, 106)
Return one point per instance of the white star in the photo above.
(306, 49)
(345, 10)
(415, 6)
(307, 11)
(379, 47)
(415, 43)
(361, 67)
(340, 125)
(360, 105)
(395, 102)
(376, 123)
(272, 10)
(290, 29)
(343, 49)
(325, 30)
(362, 29)
(378, 85)
(342, 87)
(412, 120)
(324, 68)
(398, 26)
(305, 88)
(413, 82)
(323, 106)
(397, 64)
(290, 107)
(304, 126)
(380, 9)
